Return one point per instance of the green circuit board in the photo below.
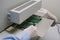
(33, 20)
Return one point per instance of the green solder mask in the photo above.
(33, 20)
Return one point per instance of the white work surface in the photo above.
(52, 34)
(42, 26)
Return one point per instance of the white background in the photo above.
(53, 6)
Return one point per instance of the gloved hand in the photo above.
(22, 36)
(27, 34)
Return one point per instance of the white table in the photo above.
(42, 26)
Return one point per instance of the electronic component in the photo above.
(24, 11)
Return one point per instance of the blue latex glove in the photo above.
(11, 38)
(22, 36)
